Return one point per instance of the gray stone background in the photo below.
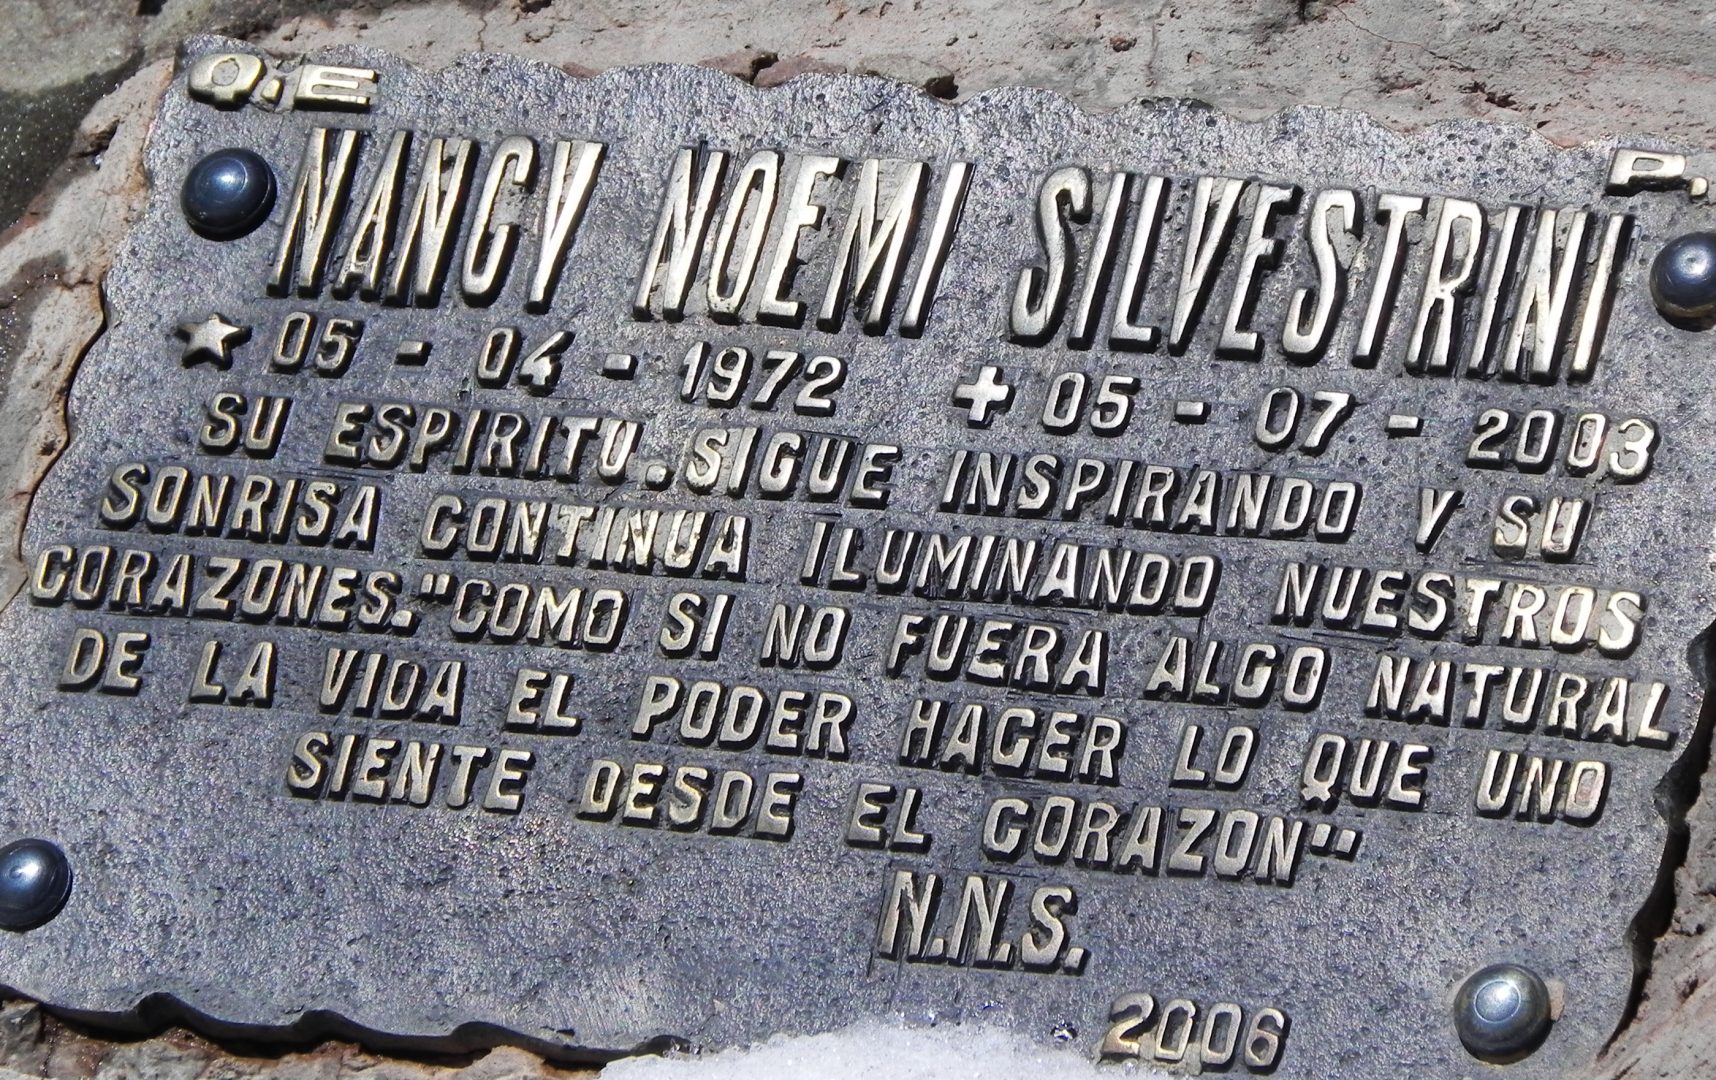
(79, 81)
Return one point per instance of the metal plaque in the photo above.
(643, 560)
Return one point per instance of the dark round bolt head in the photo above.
(35, 879)
(1502, 1012)
(228, 193)
(1683, 277)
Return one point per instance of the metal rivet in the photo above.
(228, 193)
(35, 879)
(1502, 1012)
(1683, 277)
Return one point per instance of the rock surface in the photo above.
(33, 1045)
(1574, 69)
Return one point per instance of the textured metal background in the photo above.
(200, 878)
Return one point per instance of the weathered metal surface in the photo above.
(1297, 846)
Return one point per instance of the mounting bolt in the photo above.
(1683, 277)
(1502, 1012)
(35, 879)
(228, 193)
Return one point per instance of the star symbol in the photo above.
(211, 340)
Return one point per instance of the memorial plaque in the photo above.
(645, 561)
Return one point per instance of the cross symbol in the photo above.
(986, 392)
